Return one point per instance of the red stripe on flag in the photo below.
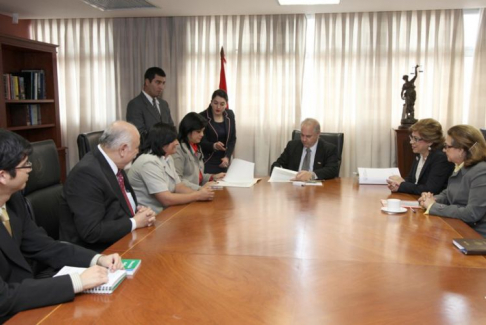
(222, 74)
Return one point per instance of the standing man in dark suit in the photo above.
(20, 238)
(310, 156)
(98, 205)
(147, 109)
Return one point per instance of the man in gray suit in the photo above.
(147, 109)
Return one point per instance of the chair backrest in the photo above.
(483, 131)
(87, 141)
(336, 139)
(43, 190)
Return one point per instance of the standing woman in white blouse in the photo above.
(430, 170)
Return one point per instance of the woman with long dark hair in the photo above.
(219, 139)
(188, 158)
(153, 175)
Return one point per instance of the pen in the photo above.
(413, 210)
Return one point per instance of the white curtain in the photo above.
(356, 80)
(265, 56)
(141, 43)
(477, 106)
(86, 75)
(356, 68)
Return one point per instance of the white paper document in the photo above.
(280, 175)
(308, 183)
(376, 175)
(240, 173)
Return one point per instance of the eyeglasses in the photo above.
(415, 139)
(27, 165)
(446, 146)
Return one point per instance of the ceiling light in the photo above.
(109, 5)
(307, 2)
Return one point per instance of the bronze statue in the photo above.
(409, 95)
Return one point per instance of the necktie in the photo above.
(121, 182)
(6, 220)
(307, 158)
(154, 102)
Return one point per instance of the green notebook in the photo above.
(131, 265)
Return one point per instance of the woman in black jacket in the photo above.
(430, 170)
(219, 138)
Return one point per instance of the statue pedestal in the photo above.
(405, 154)
(406, 123)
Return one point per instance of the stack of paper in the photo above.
(240, 174)
(376, 175)
(404, 204)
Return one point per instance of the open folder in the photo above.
(240, 174)
(280, 175)
(376, 175)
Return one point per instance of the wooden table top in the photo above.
(282, 254)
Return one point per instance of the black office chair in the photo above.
(87, 141)
(336, 139)
(483, 131)
(44, 189)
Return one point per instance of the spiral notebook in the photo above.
(114, 279)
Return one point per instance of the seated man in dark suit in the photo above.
(147, 109)
(21, 239)
(98, 205)
(310, 156)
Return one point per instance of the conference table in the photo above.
(277, 253)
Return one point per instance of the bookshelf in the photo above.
(17, 55)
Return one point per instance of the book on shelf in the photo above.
(6, 85)
(376, 176)
(131, 265)
(25, 115)
(26, 84)
(471, 246)
(37, 83)
(114, 279)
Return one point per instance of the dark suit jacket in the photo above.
(143, 115)
(212, 157)
(94, 213)
(433, 177)
(18, 289)
(326, 164)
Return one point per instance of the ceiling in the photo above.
(39, 9)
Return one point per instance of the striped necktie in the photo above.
(307, 158)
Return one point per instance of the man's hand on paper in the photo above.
(303, 175)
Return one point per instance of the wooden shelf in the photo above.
(30, 101)
(31, 127)
(17, 55)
